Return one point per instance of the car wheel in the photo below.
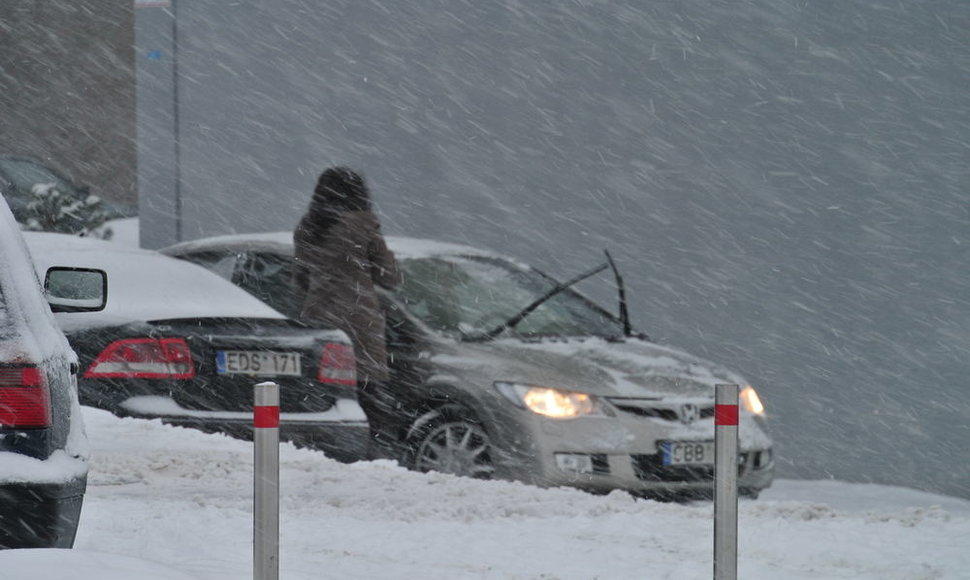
(452, 442)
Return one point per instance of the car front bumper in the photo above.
(602, 454)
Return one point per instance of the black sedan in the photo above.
(179, 343)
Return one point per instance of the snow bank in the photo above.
(81, 565)
(184, 498)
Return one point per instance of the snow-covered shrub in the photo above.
(50, 210)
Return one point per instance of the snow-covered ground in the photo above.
(174, 503)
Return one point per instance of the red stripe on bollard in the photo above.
(266, 417)
(725, 414)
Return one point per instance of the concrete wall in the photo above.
(67, 93)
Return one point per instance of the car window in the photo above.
(222, 264)
(456, 295)
(267, 277)
(24, 311)
(401, 332)
(5, 324)
(24, 175)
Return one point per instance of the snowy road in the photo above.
(184, 499)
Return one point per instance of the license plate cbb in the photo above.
(687, 452)
(257, 362)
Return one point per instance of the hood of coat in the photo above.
(629, 368)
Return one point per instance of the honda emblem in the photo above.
(688, 413)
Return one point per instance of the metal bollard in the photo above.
(266, 482)
(726, 482)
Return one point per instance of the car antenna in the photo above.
(624, 313)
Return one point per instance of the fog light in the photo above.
(574, 462)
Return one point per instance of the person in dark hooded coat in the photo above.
(340, 258)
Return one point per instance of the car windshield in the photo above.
(464, 296)
(24, 175)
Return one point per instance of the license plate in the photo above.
(257, 362)
(687, 452)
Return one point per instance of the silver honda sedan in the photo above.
(500, 371)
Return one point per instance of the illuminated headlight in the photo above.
(751, 401)
(549, 402)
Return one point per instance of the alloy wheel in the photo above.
(457, 447)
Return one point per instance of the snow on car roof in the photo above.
(28, 318)
(423, 248)
(282, 242)
(144, 284)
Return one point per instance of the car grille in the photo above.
(654, 409)
(601, 464)
(651, 468)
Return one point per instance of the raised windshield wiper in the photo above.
(624, 313)
(511, 322)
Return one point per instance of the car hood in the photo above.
(627, 368)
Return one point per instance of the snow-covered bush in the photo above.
(50, 210)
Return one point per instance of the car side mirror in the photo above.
(76, 289)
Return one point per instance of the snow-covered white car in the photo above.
(178, 343)
(43, 449)
(500, 371)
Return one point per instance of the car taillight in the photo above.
(337, 365)
(143, 358)
(25, 401)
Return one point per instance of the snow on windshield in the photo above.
(474, 294)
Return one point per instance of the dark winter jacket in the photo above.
(340, 256)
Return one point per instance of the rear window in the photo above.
(4, 317)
